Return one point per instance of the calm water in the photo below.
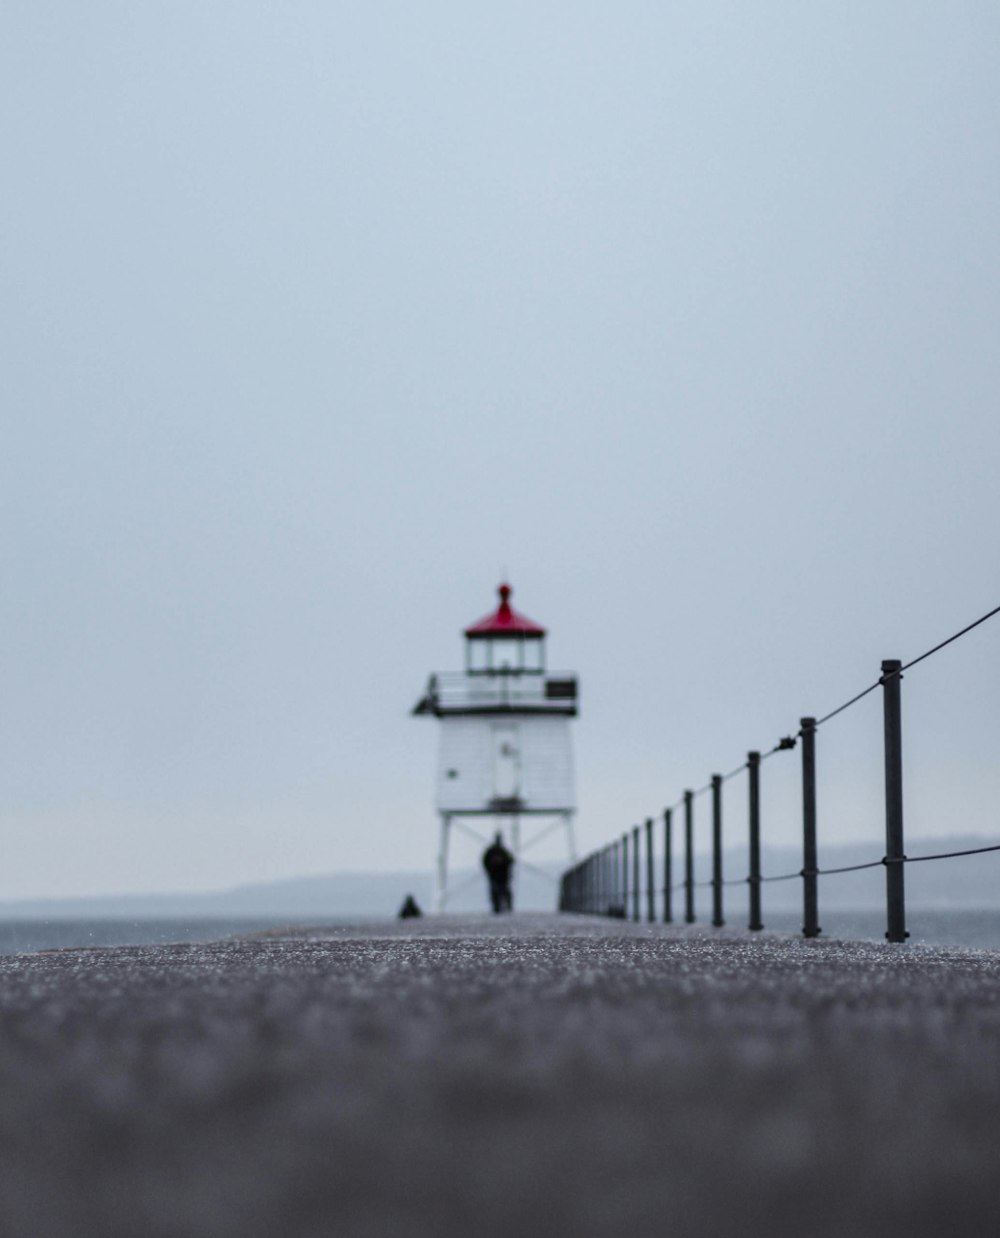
(978, 928)
(28, 936)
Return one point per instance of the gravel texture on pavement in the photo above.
(516, 1076)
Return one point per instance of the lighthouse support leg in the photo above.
(515, 846)
(570, 837)
(440, 891)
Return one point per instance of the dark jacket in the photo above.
(497, 860)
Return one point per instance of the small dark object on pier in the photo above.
(410, 908)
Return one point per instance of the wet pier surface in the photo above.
(530, 1075)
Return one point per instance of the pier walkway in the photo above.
(518, 1076)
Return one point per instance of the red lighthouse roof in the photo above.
(505, 621)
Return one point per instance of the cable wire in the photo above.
(944, 855)
(988, 615)
(906, 666)
(846, 868)
(847, 704)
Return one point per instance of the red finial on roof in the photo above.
(505, 620)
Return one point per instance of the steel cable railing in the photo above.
(608, 880)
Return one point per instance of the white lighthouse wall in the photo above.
(483, 757)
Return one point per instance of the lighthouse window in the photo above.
(506, 654)
(534, 655)
(479, 655)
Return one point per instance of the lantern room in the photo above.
(505, 642)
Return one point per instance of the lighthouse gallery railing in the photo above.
(458, 692)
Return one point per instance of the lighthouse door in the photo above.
(506, 762)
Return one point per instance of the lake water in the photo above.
(30, 936)
(978, 928)
(975, 927)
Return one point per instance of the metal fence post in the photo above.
(635, 873)
(895, 900)
(600, 868)
(717, 920)
(616, 881)
(753, 770)
(668, 893)
(689, 857)
(650, 879)
(810, 927)
(625, 875)
(602, 907)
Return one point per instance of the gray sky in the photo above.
(318, 315)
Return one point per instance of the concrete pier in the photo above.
(517, 1076)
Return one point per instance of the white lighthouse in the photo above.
(505, 754)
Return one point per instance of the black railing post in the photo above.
(635, 874)
(810, 927)
(625, 875)
(753, 770)
(650, 879)
(717, 919)
(689, 857)
(895, 899)
(668, 876)
(616, 880)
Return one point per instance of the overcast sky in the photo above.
(318, 316)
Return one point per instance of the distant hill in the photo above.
(972, 881)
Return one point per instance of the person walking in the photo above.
(498, 862)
